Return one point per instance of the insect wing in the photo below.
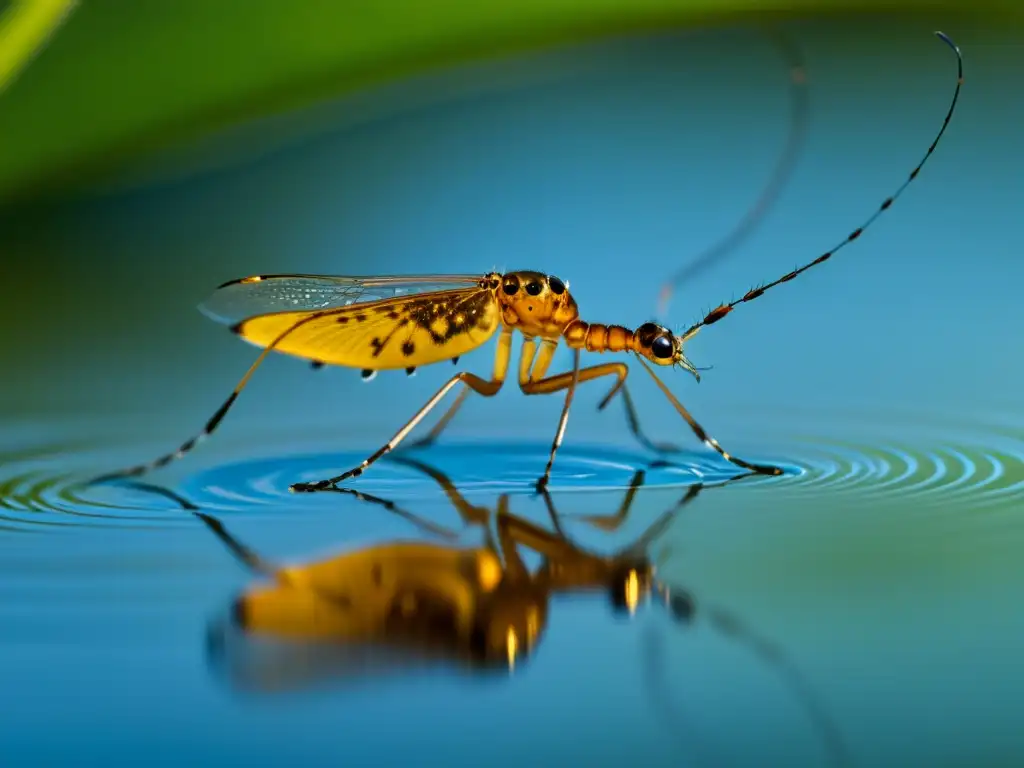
(403, 332)
(262, 294)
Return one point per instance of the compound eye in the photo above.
(662, 347)
(511, 285)
(556, 285)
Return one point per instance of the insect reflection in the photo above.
(403, 604)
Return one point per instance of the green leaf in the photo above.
(122, 78)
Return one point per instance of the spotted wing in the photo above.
(262, 294)
(403, 332)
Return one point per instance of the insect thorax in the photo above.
(536, 304)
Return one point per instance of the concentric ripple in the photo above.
(473, 468)
(975, 466)
(44, 486)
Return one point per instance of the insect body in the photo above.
(375, 323)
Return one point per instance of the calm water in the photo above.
(876, 584)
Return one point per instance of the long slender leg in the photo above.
(634, 423)
(533, 383)
(563, 420)
(529, 351)
(700, 432)
(477, 384)
(562, 380)
(443, 422)
(217, 417)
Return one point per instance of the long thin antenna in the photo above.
(722, 310)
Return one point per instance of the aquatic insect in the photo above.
(396, 322)
(407, 604)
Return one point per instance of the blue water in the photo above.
(877, 581)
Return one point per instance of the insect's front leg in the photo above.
(474, 382)
(702, 435)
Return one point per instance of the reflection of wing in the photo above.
(403, 332)
(261, 294)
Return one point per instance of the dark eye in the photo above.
(557, 286)
(511, 285)
(533, 288)
(662, 347)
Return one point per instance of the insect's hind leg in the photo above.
(472, 381)
(442, 423)
(477, 384)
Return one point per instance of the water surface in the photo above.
(877, 581)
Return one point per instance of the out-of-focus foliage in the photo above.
(25, 28)
(121, 78)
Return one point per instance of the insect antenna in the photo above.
(798, 111)
(218, 416)
(723, 309)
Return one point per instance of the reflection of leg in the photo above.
(470, 514)
(684, 608)
(420, 522)
(514, 530)
(247, 557)
(608, 523)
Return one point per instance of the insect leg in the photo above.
(542, 483)
(443, 422)
(474, 382)
(634, 421)
(533, 384)
(217, 417)
(529, 351)
(621, 370)
(702, 435)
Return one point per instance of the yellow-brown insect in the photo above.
(374, 323)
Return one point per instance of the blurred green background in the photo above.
(124, 78)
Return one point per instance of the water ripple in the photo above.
(974, 467)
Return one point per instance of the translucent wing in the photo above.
(403, 332)
(261, 294)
